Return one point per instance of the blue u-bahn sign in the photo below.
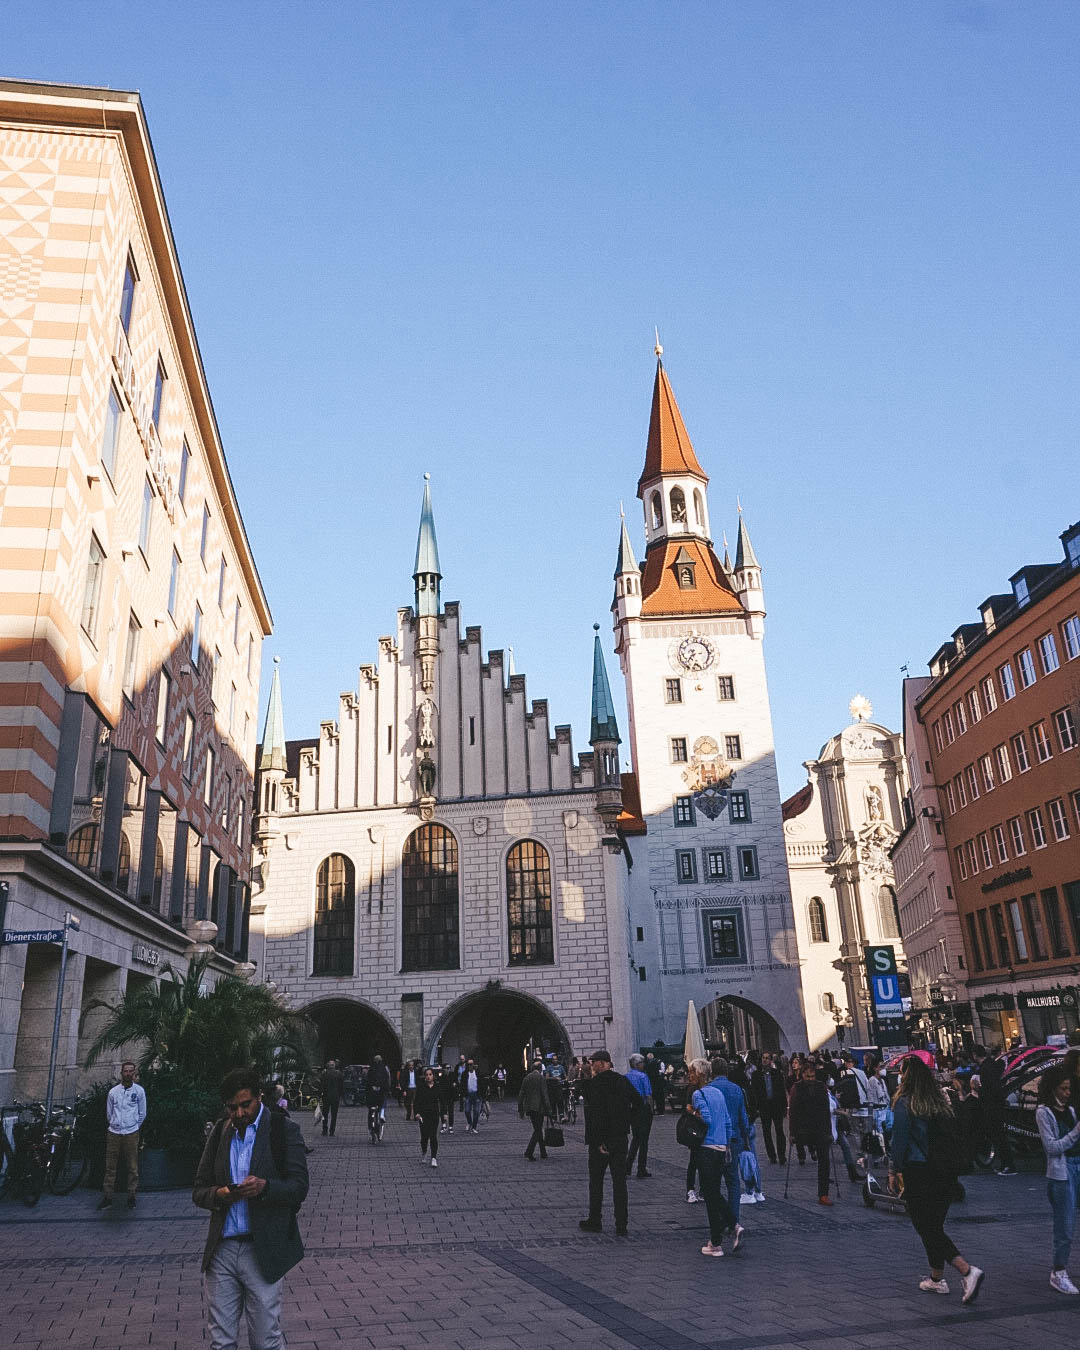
(885, 993)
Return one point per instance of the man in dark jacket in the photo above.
(992, 1100)
(609, 1109)
(253, 1178)
(810, 1118)
(768, 1100)
(333, 1080)
(656, 1081)
(535, 1102)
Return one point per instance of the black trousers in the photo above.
(537, 1118)
(598, 1164)
(777, 1152)
(447, 1107)
(995, 1128)
(639, 1147)
(329, 1116)
(927, 1205)
(692, 1168)
(410, 1094)
(821, 1147)
(721, 1216)
(429, 1135)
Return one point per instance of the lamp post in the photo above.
(71, 924)
(843, 1022)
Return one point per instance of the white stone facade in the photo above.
(838, 830)
(502, 776)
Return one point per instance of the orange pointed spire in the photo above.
(669, 450)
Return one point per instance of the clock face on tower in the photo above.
(692, 653)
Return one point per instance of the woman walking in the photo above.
(708, 1103)
(925, 1165)
(425, 1109)
(1059, 1131)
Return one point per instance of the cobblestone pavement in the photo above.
(486, 1249)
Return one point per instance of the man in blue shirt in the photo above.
(739, 1142)
(641, 1124)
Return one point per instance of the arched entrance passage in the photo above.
(496, 1026)
(731, 1024)
(353, 1033)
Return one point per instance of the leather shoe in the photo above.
(105, 1202)
(587, 1226)
(621, 1232)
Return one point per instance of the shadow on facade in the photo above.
(149, 820)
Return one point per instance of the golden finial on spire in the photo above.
(738, 503)
(658, 349)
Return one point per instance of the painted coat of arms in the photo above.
(709, 777)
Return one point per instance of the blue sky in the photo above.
(437, 237)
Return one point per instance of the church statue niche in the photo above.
(426, 773)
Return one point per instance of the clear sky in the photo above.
(437, 236)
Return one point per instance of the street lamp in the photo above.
(843, 1021)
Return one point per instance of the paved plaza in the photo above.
(486, 1250)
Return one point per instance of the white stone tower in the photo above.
(710, 903)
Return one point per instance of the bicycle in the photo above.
(66, 1158)
(24, 1175)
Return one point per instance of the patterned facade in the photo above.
(131, 613)
(710, 904)
(437, 872)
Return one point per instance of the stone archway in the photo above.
(353, 1032)
(496, 1025)
(731, 1024)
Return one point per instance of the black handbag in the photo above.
(553, 1137)
(690, 1130)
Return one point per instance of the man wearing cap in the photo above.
(609, 1110)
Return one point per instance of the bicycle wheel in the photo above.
(31, 1183)
(69, 1168)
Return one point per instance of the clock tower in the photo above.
(710, 900)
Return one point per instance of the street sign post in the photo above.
(70, 922)
(885, 995)
(12, 937)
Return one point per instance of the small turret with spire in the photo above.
(272, 765)
(604, 738)
(627, 601)
(746, 577)
(427, 577)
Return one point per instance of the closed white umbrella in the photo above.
(694, 1042)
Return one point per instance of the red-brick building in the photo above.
(1002, 714)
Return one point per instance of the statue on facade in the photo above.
(427, 773)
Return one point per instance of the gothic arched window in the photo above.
(429, 900)
(335, 907)
(819, 928)
(699, 509)
(678, 506)
(123, 864)
(656, 506)
(888, 917)
(82, 846)
(528, 905)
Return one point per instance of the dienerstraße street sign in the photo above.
(11, 936)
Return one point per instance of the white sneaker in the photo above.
(710, 1250)
(434, 1162)
(1059, 1280)
(760, 1197)
(933, 1286)
(748, 1199)
(739, 1231)
(692, 1197)
(971, 1282)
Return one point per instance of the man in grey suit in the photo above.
(253, 1178)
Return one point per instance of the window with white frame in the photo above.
(1059, 820)
(1040, 739)
(185, 464)
(678, 750)
(1017, 925)
(1036, 827)
(972, 782)
(223, 568)
(174, 582)
(988, 694)
(739, 808)
(939, 739)
(1020, 752)
(974, 706)
(959, 717)
(1025, 663)
(131, 656)
(716, 864)
(1001, 847)
(204, 537)
(111, 437)
(972, 856)
(189, 746)
(725, 688)
(1007, 681)
(985, 855)
(947, 726)
(673, 691)
(961, 790)
(986, 768)
(95, 567)
(208, 780)
(196, 637)
(684, 811)
(1048, 653)
(950, 798)
(1016, 832)
(1065, 726)
(961, 862)
(748, 863)
(1076, 807)
(162, 719)
(733, 747)
(1004, 765)
(1070, 633)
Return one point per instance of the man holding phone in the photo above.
(253, 1178)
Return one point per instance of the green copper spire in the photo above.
(272, 753)
(426, 572)
(604, 726)
(744, 549)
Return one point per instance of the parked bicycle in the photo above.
(66, 1154)
(56, 1157)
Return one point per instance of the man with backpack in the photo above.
(253, 1178)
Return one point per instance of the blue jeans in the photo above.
(1064, 1199)
(733, 1181)
(472, 1109)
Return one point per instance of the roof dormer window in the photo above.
(685, 571)
(1020, 590)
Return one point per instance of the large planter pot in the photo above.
(162, 1170)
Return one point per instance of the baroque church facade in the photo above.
(437, 872)
(710, 909)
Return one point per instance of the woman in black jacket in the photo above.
(426, 1111)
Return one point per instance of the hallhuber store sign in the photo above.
(995, 1003)
(1049, 998)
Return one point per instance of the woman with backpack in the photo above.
(925, 1166)
(1059, 1131)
